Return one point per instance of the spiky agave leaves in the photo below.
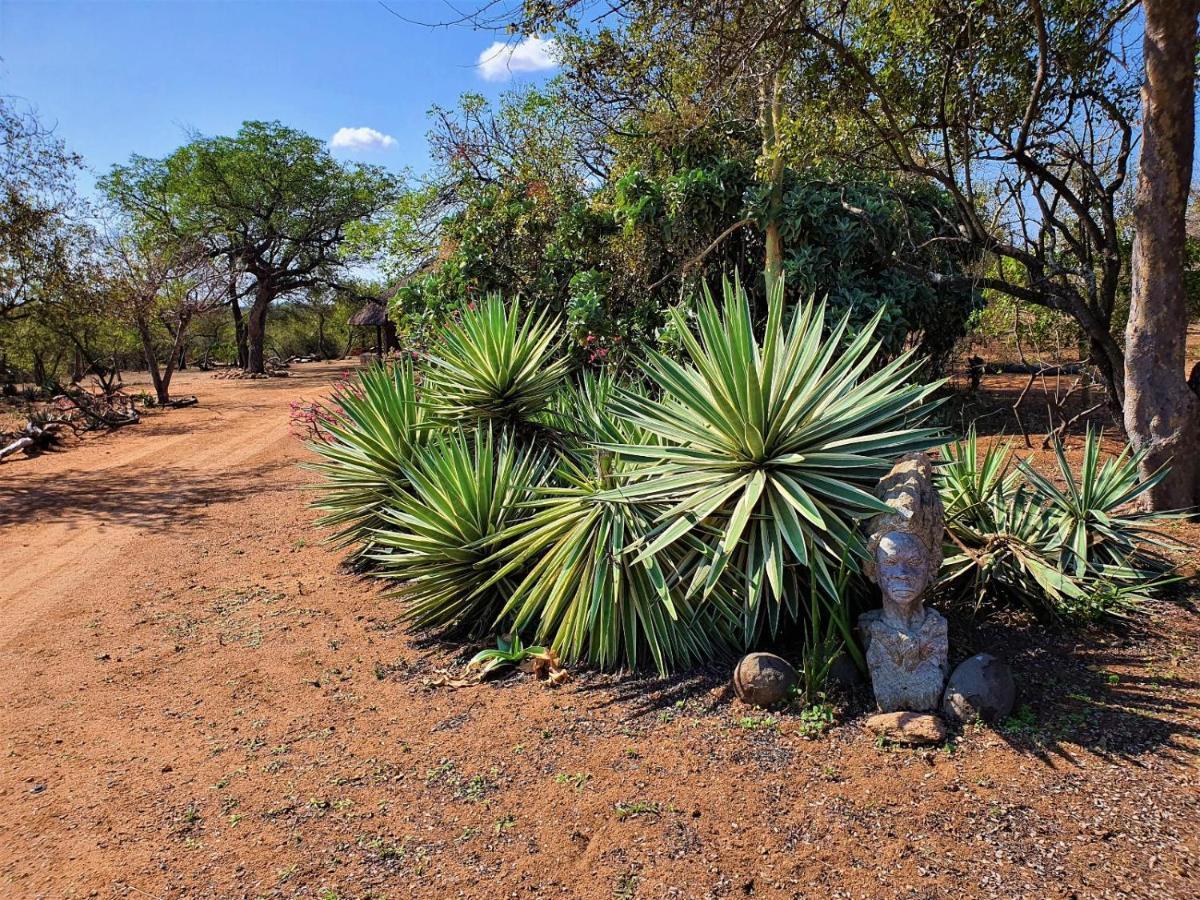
(496, 366)
(588, 599)
(999, 532)
(1066, 552)
(775, 443)
(1095, 528)
(374, 424)
(440, 536)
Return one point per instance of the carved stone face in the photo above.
(902, 569)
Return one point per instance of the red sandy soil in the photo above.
(200, 704)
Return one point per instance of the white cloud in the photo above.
(532, 54)
(361, 139)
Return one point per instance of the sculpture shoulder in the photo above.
(935, 623)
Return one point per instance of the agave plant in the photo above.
(370, 431)
(1096, 523)
(1062, 552)
(774, 443)
(589, 600)
(440, 536)
(493, 365)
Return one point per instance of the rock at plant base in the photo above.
(908, 727)
(761, 679)
(980, 688)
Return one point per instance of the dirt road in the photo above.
(198, 703)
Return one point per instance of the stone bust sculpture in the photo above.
(906, 643)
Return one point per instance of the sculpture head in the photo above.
(902, 569)
(905, 545)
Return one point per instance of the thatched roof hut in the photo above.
(372, 314)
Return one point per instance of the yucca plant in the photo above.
(369, 431)
(496, 366)
(1097, 523)
(1061, 552)
(439, 537)
(775, 444)
(589, 600)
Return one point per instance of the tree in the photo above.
(39, 239)
(1162, 411)
(1023, 113)
(270, 201)
(162, 286)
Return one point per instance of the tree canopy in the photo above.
(270, 202)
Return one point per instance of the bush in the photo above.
(365, 437)
(774, 444)
(1067, 553)
(686, 517)
(440, 537)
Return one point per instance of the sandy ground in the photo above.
(199, 704)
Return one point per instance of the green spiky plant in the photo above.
(440, 536)
(497, 366)
(775, 444)
(368, 433)
(589, 600)
(1097, 523)
(1063, 553)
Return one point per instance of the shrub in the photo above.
(773, 444)
(440, 535)
(1063, 553)
(590, 600)
(494, 366)
(365, 437)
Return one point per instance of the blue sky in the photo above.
(131, 76)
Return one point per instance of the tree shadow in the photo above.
(1118, 693)
(164, 497)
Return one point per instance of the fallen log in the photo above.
(19, 444)
(34, 437)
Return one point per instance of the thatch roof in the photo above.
(371, 314)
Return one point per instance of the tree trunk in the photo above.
(239, 332)
(1162, 414)
(156, 379)
(256, 331)
(771, 119)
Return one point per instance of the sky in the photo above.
(118, 77)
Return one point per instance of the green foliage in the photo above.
(365, 437)
(1066, 553)
(441, 535)
(509, 651)
(495, 365)
(1097, 526)
(589, 599)
(774, 443)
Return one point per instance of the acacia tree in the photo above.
(1024, 114)
(155, 285)
(39, 237)
(1162, 412)
(270, 201)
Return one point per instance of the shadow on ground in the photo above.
(174, 497)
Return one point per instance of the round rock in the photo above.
(761, 679)
(980, 688)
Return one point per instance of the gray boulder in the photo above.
(762, 679)
(980, 688)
